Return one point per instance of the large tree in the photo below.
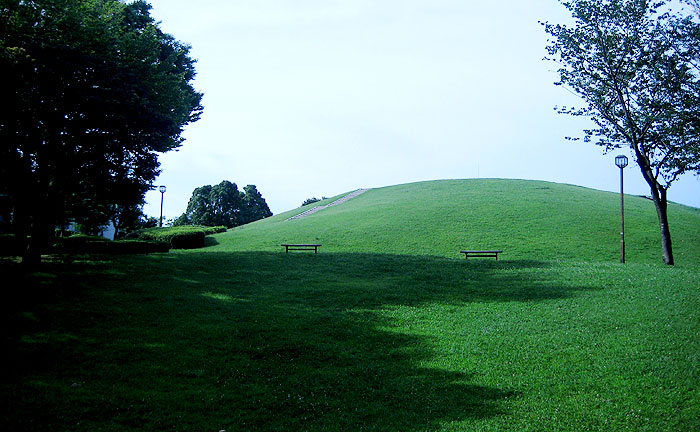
(224, 205)
(632, 62)
(254, 205)
(93, 92)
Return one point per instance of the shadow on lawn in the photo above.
(264, 341)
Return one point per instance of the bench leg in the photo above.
(466, 256)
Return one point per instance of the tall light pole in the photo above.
(161, 189)
(621, 162)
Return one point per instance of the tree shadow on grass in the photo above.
(259, 341)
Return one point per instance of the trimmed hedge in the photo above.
(9, 245)
(130, 247)
(85, 244)
(182, 237)
(141, 242)
(99, 245)
(190, 240)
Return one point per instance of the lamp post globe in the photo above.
(161, 189)
(621, 162)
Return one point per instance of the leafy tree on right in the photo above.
(224, 204)
(636, 64)
(254, 206)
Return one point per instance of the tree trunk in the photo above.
(659, 196)
(37, 243)
(661, 204)
(32, 255)
(33, 226)
(22, 227)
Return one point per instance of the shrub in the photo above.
(180, 237)
(189, 240)
(131, 247)
(77, 243)
(310, 201)
(81, 238)
(84, 244)
(9, 245)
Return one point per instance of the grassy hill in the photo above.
(386, 329)
(527, 219)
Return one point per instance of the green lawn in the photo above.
(343, 341)
(385, 329)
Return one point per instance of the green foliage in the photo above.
(636, 70)
(629, 64)
(225, 205)
(350, 341)
(10, 245)
(312, 200)
(254, 206)
(188, 240)
(527, 219)
(142, 241)
(130, 218)
(87, 244)
(95, 92)
(182, 237)
(82, 238)
(134, 247)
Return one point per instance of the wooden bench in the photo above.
(313, 247)
(482, 254)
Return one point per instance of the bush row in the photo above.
(9, 246)
(75, 244)
(93, 246)
(144, 241)
(182, 237)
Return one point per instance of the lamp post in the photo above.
(161, 189)
(621, 162)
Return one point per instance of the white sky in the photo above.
(310, 98)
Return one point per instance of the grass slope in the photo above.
(386, 329)
(527, 219)
(259, 341)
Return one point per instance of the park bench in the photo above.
(313, 247)
(481, 253)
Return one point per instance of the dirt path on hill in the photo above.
(334, 203)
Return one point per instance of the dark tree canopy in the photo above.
(254, 206)
(93, 92)
(636, 69)
(224, 205)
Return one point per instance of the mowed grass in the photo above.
(526, 219)
(387, 328)
(198, 341)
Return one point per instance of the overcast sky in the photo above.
(310, 98)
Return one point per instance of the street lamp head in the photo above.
(620, 161)
(161, 189)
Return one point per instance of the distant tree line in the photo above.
(224, 205)
(312, 200)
